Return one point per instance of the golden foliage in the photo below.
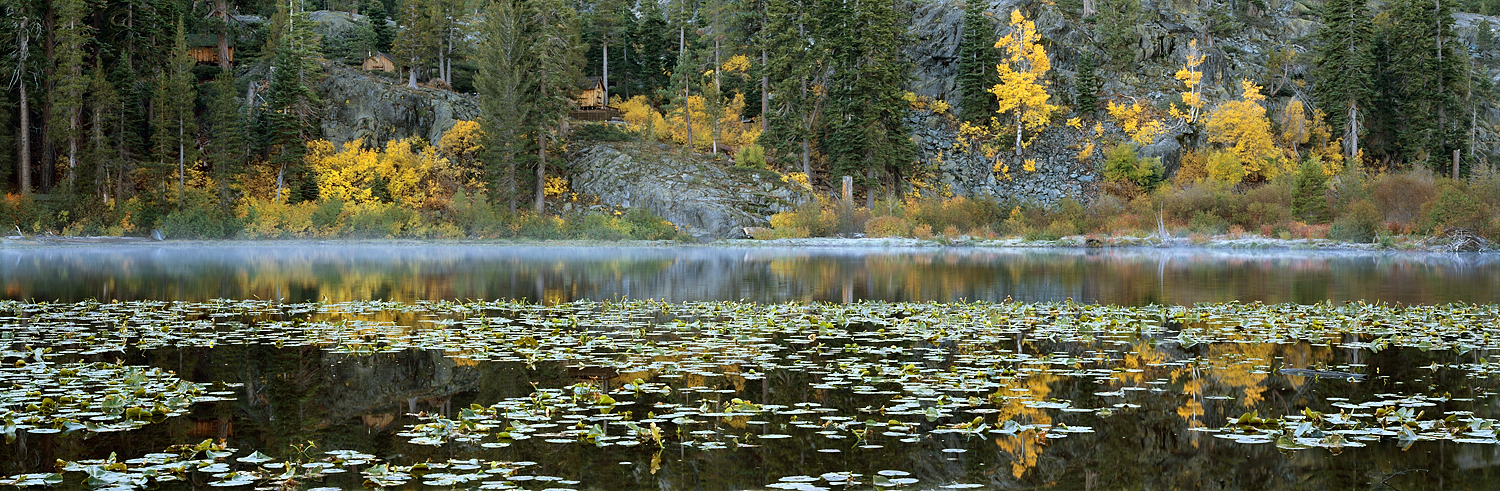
(642, 118)
(1132, 118)
(1241, 126)
(416, 176)
(1192, 79)
(736, 64)
(1022, 91)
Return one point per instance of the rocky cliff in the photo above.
(380, 109)
(706, 200)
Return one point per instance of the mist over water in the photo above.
(555, 274)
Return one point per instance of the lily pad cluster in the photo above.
(831, 378)
(41, 396)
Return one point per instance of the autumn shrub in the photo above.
(752, 156)
(17, 212)
(646, 225)
(888, 226)
(276, 220)
(595, 226)
(1454, 207)
(601, 132)
(963, 213)
(817, 218)
(1399, 196)
(923, 231)
(327, 217)
(1360, 222)
(1191, 168)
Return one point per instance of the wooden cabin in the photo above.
(593, 98)
(204, 49)
(379, 61)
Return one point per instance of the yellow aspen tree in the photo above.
(1294, 126)
(1241, 126)
(1192, 80)
(1022, 90)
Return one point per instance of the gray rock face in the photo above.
(706, 201)
(361, 105)
(1059, 171)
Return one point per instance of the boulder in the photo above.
(378, 109)
(706, 200)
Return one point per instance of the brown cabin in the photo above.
(379, 61)
(204, 49)
(593, 98)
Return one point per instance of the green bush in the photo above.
(1359, 223)
(646, 225)
(380, 220)
(200, 217)
(1123, 165)
(326, 216)
(751, 155)
(539, 227)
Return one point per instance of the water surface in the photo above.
(545, 274)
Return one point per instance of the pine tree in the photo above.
(552, 31)
(227, 148)
(289, 120)
(417, 43)
(654, 51)
(976, 64)
(1087, 86)
(106, 114)
(796, 70)
(1427, 69)
(1117, 23)
(24, 29)
(176, 126)
(72, 34)
(1343, 69)
(503, 82)
(866, 133)
(379, 20)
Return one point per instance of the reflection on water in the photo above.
(406, 272)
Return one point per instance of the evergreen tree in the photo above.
(175, 131)
(1343, 68)
(25, 29)
(795, 69)
(866, 134)
(1117, 23)
(551, 28)
(417, 43)
(654, 51)
(976, 64)
(379, 20)
(72, 34)
(227, 148)
(1427, 70)
(1087, 86)
(103, 156)
(289, 120)
(504, 79)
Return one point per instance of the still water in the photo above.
(552, 275)
(843, 395)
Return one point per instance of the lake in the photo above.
(421, 366)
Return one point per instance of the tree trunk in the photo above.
(24, 149)
(765, 95)
(221, 9)
(411, 78)
(870, 188)
(49, 150)
(606, 70)
(1018, 133)
(541, 173)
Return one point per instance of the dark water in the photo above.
(292, 397)
(767, 275)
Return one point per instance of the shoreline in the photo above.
(1402, 244)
